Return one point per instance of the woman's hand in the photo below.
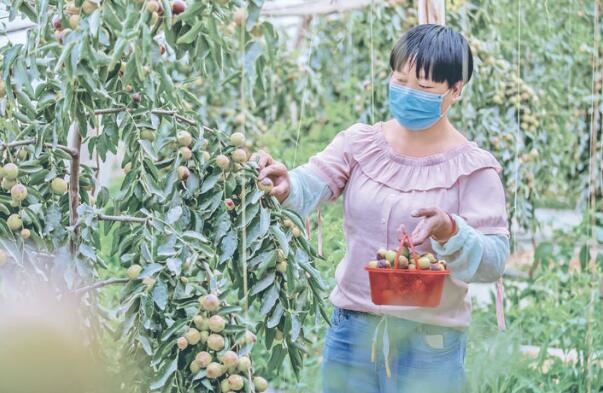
(275, 171)
(435, 223)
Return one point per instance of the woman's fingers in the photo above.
(262, 158)
(273, 170)
(281, 191)
(422, 231)
(425, 212)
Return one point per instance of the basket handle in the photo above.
(406, 238)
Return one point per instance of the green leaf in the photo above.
(276, 316)
(262, 284)
(165, 373)
(160, 294)
(228, 246)
(191, 35)
(269, 299)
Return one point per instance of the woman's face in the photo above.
(407, 77)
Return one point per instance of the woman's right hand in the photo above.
(275, 171)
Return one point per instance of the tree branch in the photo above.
(140, 220)
(320, 7)
(108, 111)
(74, 186)
(175, 114)
(72, 152)
(100, 284)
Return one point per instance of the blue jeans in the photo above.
(422, 358)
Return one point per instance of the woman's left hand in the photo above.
(435, 223)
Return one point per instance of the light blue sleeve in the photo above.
(473, 256)
(306, 191)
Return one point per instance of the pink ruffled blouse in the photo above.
(380, 189)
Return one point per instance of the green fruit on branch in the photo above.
(214, 370)
(266, 185)
(58, 186)
(178, 7)
(25, 233)
(184, 280)
(134, 271)
(183, 173)
(11, 171)
(223, 162)
(3, 257)
(236, 382)
(240, 118)
(192, 336)
(215, 342)
(200, 322)
(248, 338)
(7, 184)
(74, 21)
(281, 267)
(204, 336)
(216, 323)
(244, 364)
(153, 6)
(22, 154)
(279, 336)
(184, 138)
(239, 156)
(296, 232)
(203, 358)
(185, 153)
(127, 168)
(260, 384)
(230, 359)
(89, 7)
(14, 222)
(206, 156)
(18, 193)
(149, 282)
(147, 135)
(195, 367)
(225, 386)
(237, 139)
(288, 223)
(210, 302)
(136, 98)
(182, 343)
(229, 203)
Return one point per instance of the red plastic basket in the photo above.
(404, 287)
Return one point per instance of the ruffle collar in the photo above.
(379, 161)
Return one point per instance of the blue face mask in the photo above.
(415, 110)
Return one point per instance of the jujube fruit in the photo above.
(25, 233)
(18, 192)
(200, 322)
(58, 186)
(266, 185)
(183, 173)
(210, 302)
(260, 384)
(11, 171)
(185, 153)
(153, 6)
(195, 367)
(182, 343)
(192, 336)
(236, 382)
(237, 139)
(390, 255)
(134, 271)
(216, 323)
(229, 203)
(14, 222)
(281, 267)
(214, 370)
(184, 138)
(373, 264)
(239, 156)
(222, 161)
(215, 342)
(225, 386)
(147, 135)
(230, 359)
(203, 358)
(178, 7)
(244, 364)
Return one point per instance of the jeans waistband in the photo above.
(419, 326)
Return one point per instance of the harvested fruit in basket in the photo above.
(425, 261)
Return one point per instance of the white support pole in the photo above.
(432, 11)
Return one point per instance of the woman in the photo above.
(418, 171)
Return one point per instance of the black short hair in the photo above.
(442, 53)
